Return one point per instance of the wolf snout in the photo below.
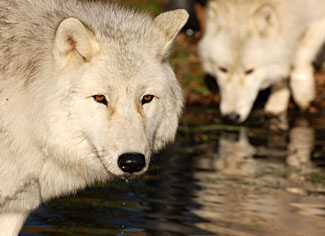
(232, 118)
(131, 162)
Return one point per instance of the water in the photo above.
(252, 180)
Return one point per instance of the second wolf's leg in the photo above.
(11, 222)
(302, 77)
(278, 100)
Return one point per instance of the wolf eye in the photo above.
(100, 99)
(147, 98)
(250, 71)
(223, 69)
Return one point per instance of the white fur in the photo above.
(11, 222)
(258, 42)
(55, 138)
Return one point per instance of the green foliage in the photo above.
(147, 5)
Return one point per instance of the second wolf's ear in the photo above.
(74, 42)
(170, 23)
(217, 12)
(265, 20)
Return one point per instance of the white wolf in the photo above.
(86, 93)
(250, 45)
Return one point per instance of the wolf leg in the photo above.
(11, 222)
(278, 101)
(302, 77)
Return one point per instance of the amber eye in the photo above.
(100, 99)
(147, 98)
(223, 69)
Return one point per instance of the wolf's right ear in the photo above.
(74, 42)
(265, 20)
(217, 12)
(170, 23)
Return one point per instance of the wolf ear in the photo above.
(217, 12)
(74, 41)
(265, 20)
(170, 23)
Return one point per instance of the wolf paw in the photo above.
(277, 102)
(303, 87)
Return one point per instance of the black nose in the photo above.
(233, 118)
(131, 162)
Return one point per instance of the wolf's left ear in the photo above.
(265, 20)
(74, 42)
(170, 23)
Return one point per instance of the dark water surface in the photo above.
(254, 180)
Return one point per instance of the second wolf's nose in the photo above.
(232, 118)
(131, 162)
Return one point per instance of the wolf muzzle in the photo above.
(232, 118)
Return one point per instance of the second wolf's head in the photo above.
(243, 49)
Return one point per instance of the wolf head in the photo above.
(244, 50)
(114, 99)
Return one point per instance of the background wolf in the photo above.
(86, 93)
(250, 45)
